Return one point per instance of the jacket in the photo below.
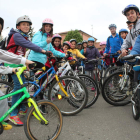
(113, 44)
(40, 40)
(91, 53)
(131, 36)
(7, 57)
(53, 61)
(76, 53)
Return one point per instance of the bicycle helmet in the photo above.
(112, 25)
(102, 43)
(67, 43)
(84, 41)
(123, 30)
(24, 18)
(56, 36)
(128, 7)
(1, 22)
(73, 40)
(91, 39)
(79, 43)
(47, 21)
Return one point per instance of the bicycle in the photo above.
(118, 87)
(38, 123)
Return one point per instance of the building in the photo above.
(84, 35)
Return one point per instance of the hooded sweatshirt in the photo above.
(131, 36)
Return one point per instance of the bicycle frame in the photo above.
(26, 95)
(51, 76)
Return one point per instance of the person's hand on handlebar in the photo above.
(119, 51)
(124, 52)
(104, 54)
(27, 63)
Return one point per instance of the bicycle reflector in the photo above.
(120, 75)
(59, 96)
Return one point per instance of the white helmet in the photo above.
(23, 19)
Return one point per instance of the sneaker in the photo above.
(23, 113)
(6, 126)
(16, 120)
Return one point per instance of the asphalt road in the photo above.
(100, 122)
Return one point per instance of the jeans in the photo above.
(16, 97)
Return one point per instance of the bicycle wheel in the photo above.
(36, 130)
(78, 95)
(92, 87)
(112, 92)
(7, 88)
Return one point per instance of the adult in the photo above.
(114, 43)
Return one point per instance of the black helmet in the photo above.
(84, 41)
(79, 43)
(73, 40)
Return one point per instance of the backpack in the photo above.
(4, 43)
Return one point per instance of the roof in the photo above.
(79, 31)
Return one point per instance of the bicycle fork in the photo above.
(32, 102)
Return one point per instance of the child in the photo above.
(75, 52)
(90, 53)
(17, 45)
(56, 42)
(129, 24)
(43, 39)
(8, 58)
(66, 46)
(79, 47)
(84, 45)
(123, 33)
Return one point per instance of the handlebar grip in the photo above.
(32, 65)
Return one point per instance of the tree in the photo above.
(74, 35)
(31, 33)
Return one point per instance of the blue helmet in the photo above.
(123, 30)
(112, 25)
(91, 39)
(128, 7)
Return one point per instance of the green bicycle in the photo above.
(43, 119)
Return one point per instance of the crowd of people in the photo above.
(44, 40)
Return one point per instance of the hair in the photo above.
(132, 9)
(0, 29)
(43, 29)
(53, 43)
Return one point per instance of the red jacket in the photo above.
(53, 61)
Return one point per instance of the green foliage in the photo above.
(74, 35)
(31, 33)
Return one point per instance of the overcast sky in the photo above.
(69, 14)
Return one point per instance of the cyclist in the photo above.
(114, 42)
(91, 53)
(129, 24)
(66, 46)
(131, 12)
(75, 51)
(79, 47)
(84, 46)
(8, 58)
(17, 45)
(43, 39)
(123, 33)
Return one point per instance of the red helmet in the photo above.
(67, 43)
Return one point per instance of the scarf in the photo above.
(22, 33)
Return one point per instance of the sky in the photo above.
(68, 14)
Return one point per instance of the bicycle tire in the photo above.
(31, 132)
(52, 95)
(94, 98)
(108, 96)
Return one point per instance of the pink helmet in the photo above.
(47, 21)
(102, 43)
(56, 36)
(67, 43)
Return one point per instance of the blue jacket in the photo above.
(136, 48)
(113, 44)
(82, 51)
(40, 40)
